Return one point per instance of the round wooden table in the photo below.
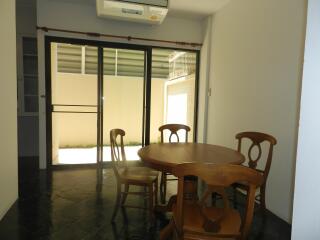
(166, 156)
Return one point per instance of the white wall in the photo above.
(8, 105)
(26, 17)
(205, 59)
(306, 218)
(82, 17)
(255, 78)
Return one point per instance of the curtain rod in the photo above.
(128, 38)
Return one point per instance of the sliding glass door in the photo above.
(94, 90)
(73, 106)
(173, 91)
(94, 87)
(123, 95)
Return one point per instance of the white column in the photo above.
(306, 208)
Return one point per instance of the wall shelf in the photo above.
(28, 77)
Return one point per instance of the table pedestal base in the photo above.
(190, 194)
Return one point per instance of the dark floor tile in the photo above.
(74, 204)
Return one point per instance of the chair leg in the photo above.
(117, 204)
(263, 198)
(235, 199)
(151, 204)
(156, 192)
(167, 231)
(214, 199)
(163, 187)
(124, 197)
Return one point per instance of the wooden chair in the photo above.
(126, 176)
(192, 219)
(256, 139)
(173, 130)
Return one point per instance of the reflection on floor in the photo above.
(72, 204)
(89, 155)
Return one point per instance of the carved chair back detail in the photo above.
(218, 178)
(174, 128)
(257, 139)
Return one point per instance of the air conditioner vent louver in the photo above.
(131, 11)
(143, 11)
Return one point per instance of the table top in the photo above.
(165, 156)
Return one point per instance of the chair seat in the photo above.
(194, 221)
(241, 185)
(138, 175)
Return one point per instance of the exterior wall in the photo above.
(8, 106)
(257, 56)
(123, 106)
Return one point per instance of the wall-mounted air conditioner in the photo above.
(143, 11)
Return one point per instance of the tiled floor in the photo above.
(72, 204)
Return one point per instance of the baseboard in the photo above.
(28, 162)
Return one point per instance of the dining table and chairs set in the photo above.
(195, 212)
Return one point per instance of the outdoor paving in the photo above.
(89, 155)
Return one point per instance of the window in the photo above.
(117, 62)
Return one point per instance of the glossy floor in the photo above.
(77, 204)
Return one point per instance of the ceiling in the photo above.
(197, 9)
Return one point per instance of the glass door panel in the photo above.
(74, 138)
(74, 97)
(172, 91)
(123, 93)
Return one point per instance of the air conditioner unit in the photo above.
(143, 11)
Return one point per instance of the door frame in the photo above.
(147, 86)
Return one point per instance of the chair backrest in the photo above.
(173, 129)
(118, 155)
(257, 139)
(218, 177)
